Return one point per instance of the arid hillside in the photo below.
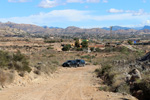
(34, 29)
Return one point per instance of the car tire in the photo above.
(83, 65)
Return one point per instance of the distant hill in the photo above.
(26, 27)
(146, 27)
(52, 30)
(45, 30)
(50, 27)
(114, 28)
(138, 28)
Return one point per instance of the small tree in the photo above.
(66, 47)
(77, 44)
(84, 44)
(92, 48)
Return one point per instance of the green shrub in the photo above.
(98, 50)
(130, 42)
(95, 63)
(105, 68)
(97, 71)
(123, 88)
(144, 85)
(77, 43)
(18, 56)
(16, 61)
(4, 59)
(50, 41)
(79, 49)
(66, 47)
(84, 44)
(92, 48)
(20, 62)
(50, 48)
(104, 88)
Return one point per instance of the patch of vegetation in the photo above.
(2, 78)
(79, 49)
(77, 43)
(130, 42)
(113, 74)
(55, 62)
(104, 88)
(6, 77)
(95, 63)
(15, 61)
(50, 48)
(92, 48)
(66, 47)
(144, 86)
(84, 44)
(51, 41)
(88, 57)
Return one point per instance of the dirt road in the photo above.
(69, 84)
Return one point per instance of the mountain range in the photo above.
(115, 28)
(44, 30)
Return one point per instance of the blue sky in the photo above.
(80, 13)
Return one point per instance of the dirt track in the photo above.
(68, 84)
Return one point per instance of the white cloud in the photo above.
(134, 13)
(54, 3)
(83, 1)
(112, 10)
(49, 3)
(71, 16)
(51, 17)
(92, 1)
(137, 13)
(74, 1)
(19, 0)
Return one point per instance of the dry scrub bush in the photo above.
(6, 78)
(15, 61)
(2, 78)
(123, 88)
(114, 74)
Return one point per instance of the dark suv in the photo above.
(74, 63)
(80, 62)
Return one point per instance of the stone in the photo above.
(135, 74)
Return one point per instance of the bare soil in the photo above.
(68, 84)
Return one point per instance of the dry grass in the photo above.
(6, 78)
(2, 78)
(114, 74)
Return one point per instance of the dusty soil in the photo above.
(68, 84)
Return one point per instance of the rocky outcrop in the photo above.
(135, 74)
